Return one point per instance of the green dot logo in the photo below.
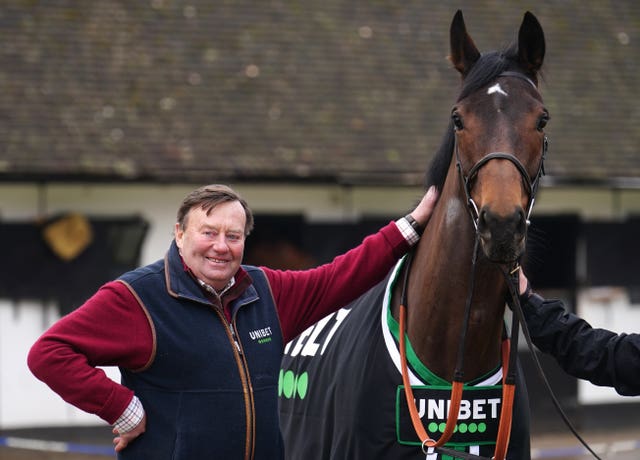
(291, 385)
(287, 384)
(302, 385)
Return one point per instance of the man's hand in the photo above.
(122, 440)
(522, 282)
(423, 211)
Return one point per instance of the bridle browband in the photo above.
(530, 184)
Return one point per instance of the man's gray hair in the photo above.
(210, 196)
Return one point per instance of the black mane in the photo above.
(487, 69)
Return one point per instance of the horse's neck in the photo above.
(439, 281)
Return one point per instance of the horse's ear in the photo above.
(463, 51)
(531, 45)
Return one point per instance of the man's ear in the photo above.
(178, 234)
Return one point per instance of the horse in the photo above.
(342, 383)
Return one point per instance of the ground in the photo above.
(560, 444)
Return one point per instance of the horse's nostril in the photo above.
(522, 222)
(485, 222)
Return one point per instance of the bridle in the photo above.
(530, 184)
(509, 349)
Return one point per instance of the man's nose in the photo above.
(220, 243)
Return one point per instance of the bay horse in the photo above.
(341, 385)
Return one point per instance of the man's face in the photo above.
(212, 246)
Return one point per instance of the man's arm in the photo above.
(110, 329)
(598, 355)
(303, 297)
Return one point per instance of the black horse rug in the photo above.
(341, 392)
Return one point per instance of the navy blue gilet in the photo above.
(203, 398)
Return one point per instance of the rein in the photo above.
(517, 311)
(509, 348)
(509, 354)
(456, 388)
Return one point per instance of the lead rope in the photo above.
(508, 386)
(456, 393)
(509, 353)
(517, 312)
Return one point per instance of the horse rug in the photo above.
(341, 394)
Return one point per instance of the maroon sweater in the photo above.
(111, 328)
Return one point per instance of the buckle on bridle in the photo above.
(475, 213)
(425, 447)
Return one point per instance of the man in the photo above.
(199, 337)
(600, 356)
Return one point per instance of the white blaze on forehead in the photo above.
(496, 89)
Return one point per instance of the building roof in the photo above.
(339, 91)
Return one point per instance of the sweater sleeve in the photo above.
(109, 329)
(600, 356)
(304, 297)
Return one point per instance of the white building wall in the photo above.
(24, 401)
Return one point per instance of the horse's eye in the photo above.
(542, 121)
(457, 121)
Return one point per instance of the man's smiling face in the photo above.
(212, 245)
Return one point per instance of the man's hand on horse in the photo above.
(423, 211)
(524, 288)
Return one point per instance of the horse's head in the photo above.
(499, 143)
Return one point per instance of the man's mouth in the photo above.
(216, 261)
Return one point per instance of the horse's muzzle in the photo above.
(502, 238)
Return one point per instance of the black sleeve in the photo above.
(600, 356)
